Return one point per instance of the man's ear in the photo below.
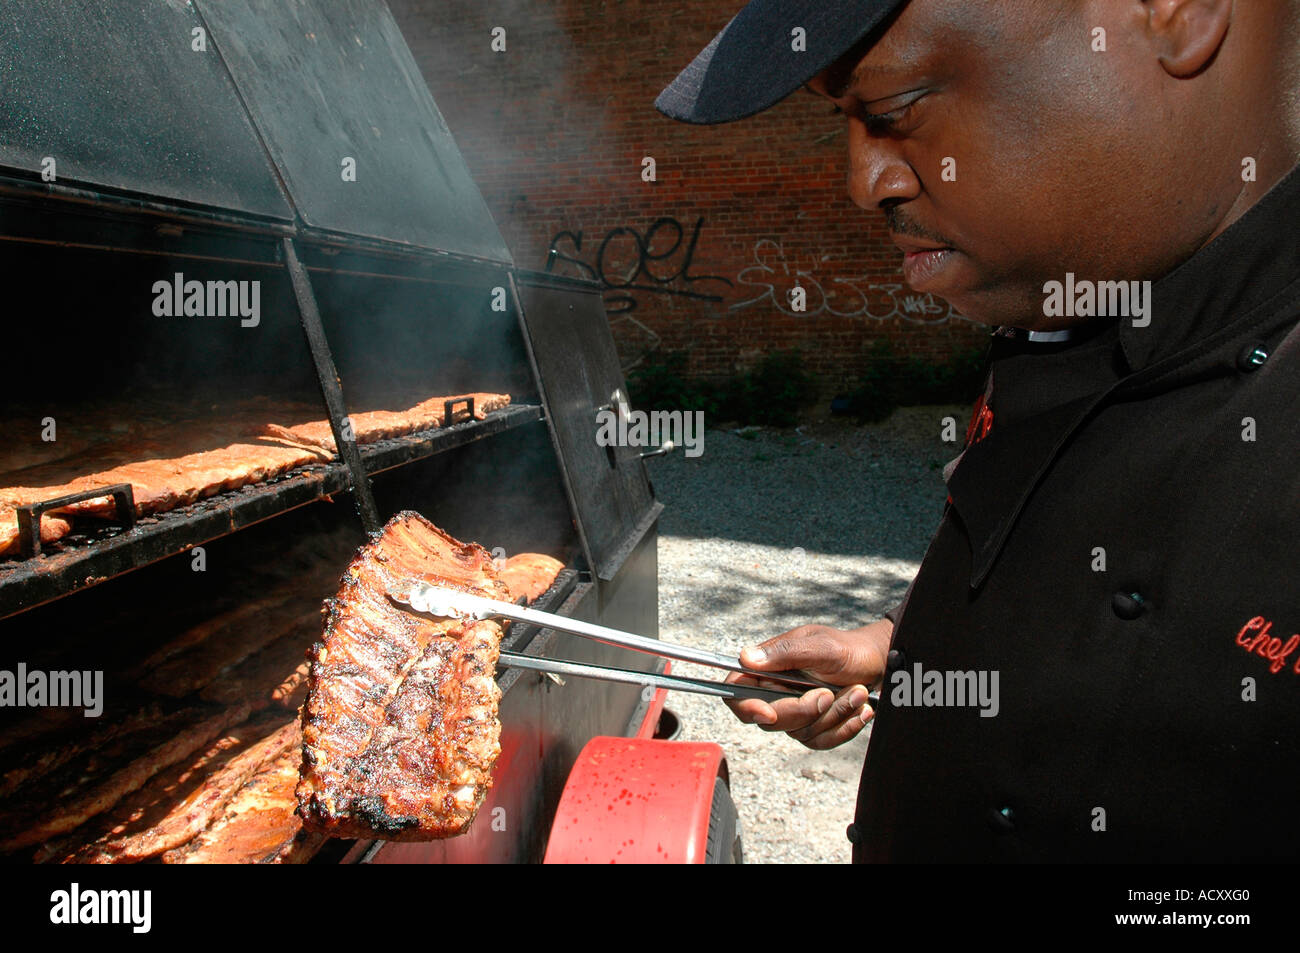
(1188, 33)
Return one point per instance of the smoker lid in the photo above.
(114, 93)
(328, 80)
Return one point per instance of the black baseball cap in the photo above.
(753, 63)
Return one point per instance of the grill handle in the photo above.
(667, 447)
(449, 409)
(29, 516)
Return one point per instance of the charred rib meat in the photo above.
(400, 728)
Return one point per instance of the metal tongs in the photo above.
(454, 604)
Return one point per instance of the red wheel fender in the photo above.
(636, 801)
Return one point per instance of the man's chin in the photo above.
(977, 309)
(952, 276)
(999, 308)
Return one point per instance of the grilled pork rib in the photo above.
(174, 457)
(86, 792)
(529, 575)
(211, 782)
(400, 728)
(258, 822)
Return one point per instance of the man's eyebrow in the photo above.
(861, 70)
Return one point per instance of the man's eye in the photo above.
(887, 121)
(884, 122)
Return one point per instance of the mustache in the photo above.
(901, 225)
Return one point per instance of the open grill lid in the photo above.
(113, 93)
(327, 80)
(118, 95)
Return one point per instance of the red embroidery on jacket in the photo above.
(981, 422)
(1255, 638)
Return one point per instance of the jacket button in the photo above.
(1002, 820)
(1128, 605)
(1252, 358)
(852, 834)
(895, 660)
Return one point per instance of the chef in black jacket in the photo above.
(1100, 656)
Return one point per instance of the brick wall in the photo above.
(555, 130)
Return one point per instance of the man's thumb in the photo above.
(753, 656)
(807, 647)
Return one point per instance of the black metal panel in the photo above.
(327, 80)
(577, 365)
(30, 217)
(113, 91)
(355, 257)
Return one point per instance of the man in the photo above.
(1100, 656)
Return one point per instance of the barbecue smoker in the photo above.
(228, 210)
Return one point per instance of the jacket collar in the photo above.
(1235, 292)
(1217, 292)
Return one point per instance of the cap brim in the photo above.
(755, 62)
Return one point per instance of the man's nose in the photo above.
(877, 170)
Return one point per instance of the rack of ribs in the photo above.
(179, 804)
(529, 575)
(400, 729)
(258, 825)
(175, 459)
(373, 425)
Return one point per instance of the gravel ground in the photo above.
(772, 529)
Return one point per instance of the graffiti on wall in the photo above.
(773, 278)
(628, 262)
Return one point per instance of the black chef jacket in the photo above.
(1149, 700)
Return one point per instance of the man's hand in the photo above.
(820, 718)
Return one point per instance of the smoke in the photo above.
(523, 116)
